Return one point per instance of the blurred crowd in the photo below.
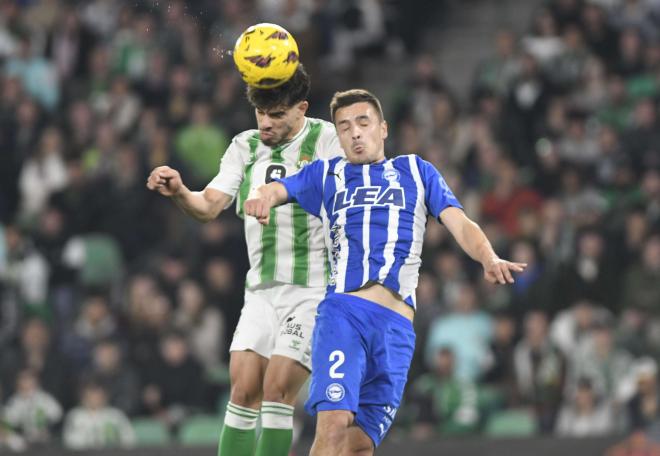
(114, 305)
(557, 155)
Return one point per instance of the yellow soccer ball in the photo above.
(266, 55)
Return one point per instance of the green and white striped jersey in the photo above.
(291, 248)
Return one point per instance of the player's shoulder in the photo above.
(408, 160)
(325, 126)
(327, 145)
(421, 164)
(244, 138)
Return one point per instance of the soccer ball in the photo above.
(266, 55)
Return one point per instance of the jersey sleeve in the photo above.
(232, 169)
(438, 194)
(306, 187)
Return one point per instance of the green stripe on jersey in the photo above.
(300, 245)
(300, 218)
(244, 189)
(269, 234)
(308, 146)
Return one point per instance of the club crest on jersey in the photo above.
(391, 175)
(335, 392)
(370, 196)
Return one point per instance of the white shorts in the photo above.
(278, 319)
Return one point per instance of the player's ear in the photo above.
(383, 129)
(303, 106)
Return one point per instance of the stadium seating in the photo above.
(511, 423)
(150, 432)
(200, 430)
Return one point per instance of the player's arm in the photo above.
(303, 188)
(474, 242)
(262, 199)
(202, 206)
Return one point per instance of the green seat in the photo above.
(103, 264)
(200, 430)
(150, 432)
(511, 423)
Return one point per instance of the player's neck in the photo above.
(298, 127)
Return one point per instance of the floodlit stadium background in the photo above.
(541, 114)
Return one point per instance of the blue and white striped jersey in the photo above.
(374, 217)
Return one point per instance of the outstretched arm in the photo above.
(475, 243)
(262, 199)
(202, 206)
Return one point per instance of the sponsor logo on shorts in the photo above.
(291, 328)
(335, 392)
(294, 345)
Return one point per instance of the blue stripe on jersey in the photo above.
(406, 225)
(369, 214)
(378, 228)
(354, 219)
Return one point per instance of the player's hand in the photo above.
(256, 205)
(500, 271)
(165, 180)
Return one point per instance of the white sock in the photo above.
(275, 415)
(241, 417)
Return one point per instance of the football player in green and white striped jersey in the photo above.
(270, 351)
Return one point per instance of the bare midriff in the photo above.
(379, 294)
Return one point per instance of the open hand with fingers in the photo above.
(165, 180)
(497, 270)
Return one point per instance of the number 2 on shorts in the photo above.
(338, 357)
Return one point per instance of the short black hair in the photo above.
(288, 94)
(350, 97)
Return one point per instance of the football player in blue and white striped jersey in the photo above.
(374, 211)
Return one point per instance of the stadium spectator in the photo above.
(445, 404)
(37, 351)
(600, 361)
(173, 383)
(540, 370)
(466, 330)
(202, 325)
(114, 373)
(585, 415)
(573, 326)
(31, 410)
(500, 371)
(94, 424)
(644, 406)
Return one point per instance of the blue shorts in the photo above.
(361, 353)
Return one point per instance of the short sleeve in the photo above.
(232, 169)
(306, 187)
(438, 194)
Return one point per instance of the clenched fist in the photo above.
(257, 205)
(165, 180)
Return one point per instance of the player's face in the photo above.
(280, 124)
(361, 133)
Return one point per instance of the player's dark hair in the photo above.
(288, 94)
(350, 97)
